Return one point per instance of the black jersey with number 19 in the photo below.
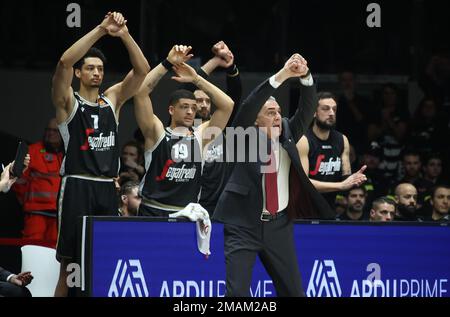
(90, 137)
(173, 170)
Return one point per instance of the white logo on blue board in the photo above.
(324, 280)
(128, 280)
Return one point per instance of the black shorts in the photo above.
(77, 198)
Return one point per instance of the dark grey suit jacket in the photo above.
(241, 202)
(4, 274)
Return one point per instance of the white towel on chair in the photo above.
(195, 212)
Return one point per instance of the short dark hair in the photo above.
(93, 52)
(126, 188)
(181, 94)
(326, 95)
(362, 187)
(411, 152)
(435, 188)
(384, 200)
(176, 96)
(432, 156)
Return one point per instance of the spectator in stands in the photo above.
(13, 285)
(356, 199)
(435, 81)
(426, 127)
(432, 169)
(440, 202)
(324, 152)
(392, 145)
(376, 185)
(383, 209)
(37, 189)
(131, 162)
(341, 205)
(356, 111)
(406, 198)
(432, 173)
(411, 164)
(129, 199)
(411, 167)
(393, 129)
(393, 109)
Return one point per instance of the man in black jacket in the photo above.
(12, 285)
(254, 204)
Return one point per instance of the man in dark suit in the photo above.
(254, 204)
(12, 285)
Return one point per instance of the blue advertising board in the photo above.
(139, 257)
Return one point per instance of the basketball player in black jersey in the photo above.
(173, 154)
(214, 173)
(88, 122)
(324, 152)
